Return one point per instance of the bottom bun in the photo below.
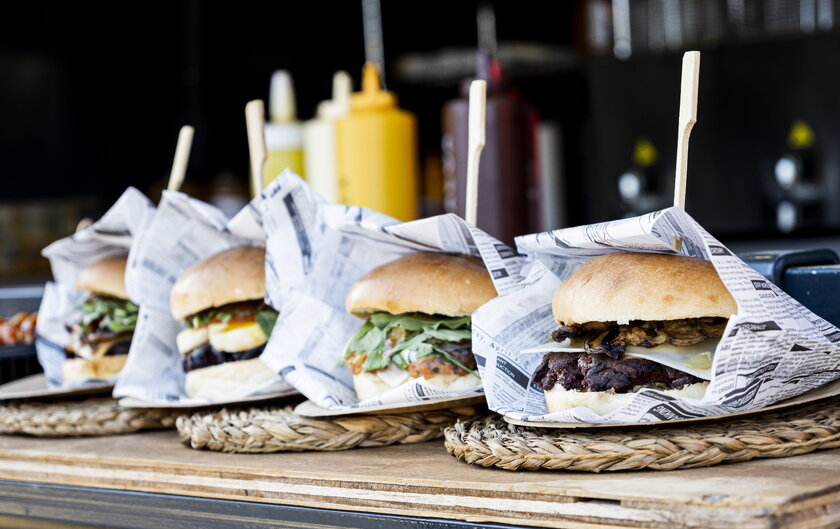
(603, 402)
(371, 385)
(102, 368)
(230, 380)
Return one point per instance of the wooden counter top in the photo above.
(423, 481)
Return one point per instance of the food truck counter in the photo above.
(149, 480)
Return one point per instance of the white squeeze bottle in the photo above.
(283, 133)
(319, 139)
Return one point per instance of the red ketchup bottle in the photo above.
(507, 161)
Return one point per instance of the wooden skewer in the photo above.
(182, 157)
(687, 119)
(255, 122)
(477, 117)
(84, 224)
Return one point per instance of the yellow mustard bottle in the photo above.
(377, 151)
(283, 135)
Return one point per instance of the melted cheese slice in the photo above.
(694, 359)
(189, 339)
(393, 375)
(554, 347)
(89, 352)
(103, 347)
(235, 337)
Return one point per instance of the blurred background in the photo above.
(582, 109)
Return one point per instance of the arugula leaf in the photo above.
(359, 333)
(203, 318)
(353, 346)
(450, 335)
(380, 319)
(372, 342)
(126, 323)
(418, 322)
(115, 315)
(266, 320)
(424, 349)
(400, 361)
(376, 360)
(455, 323)
(225, 313)
(420, 329)
(411, 322)
(452, 360)
(412, 344)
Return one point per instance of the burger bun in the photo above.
(228, 381)
(75, 370)
(622, 287)
(428, 282)
(560, 399)
(105, 277)
(230, 276)
(370, 385)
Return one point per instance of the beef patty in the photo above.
(117, 349)
(206, 355)
(600, 372)
(431, 365)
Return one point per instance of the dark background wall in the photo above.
(92, 93)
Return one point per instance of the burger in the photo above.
(100, 339)
(633, 321)
(221, 300)
(417, 310)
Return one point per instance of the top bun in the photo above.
(622, 287)
(229, 276)
(105, 277)
(433, 283)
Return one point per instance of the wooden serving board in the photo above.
(422, 480)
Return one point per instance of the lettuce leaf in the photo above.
(371, 338)
(265, 316)
(416, 321)
(450, 335)
(115, 315)
(266, 319)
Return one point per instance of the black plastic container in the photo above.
(18, 361)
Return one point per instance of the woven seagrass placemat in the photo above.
(73, 418)
(490, 441)
(259, 430)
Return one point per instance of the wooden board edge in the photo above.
(385, 482)
(586, 513)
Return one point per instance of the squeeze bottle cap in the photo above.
(372, 96)
(339, 105)
(283, 136)
(281, 99)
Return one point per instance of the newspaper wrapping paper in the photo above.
(318, 256)
(111, 235)
(773, 349)
(182, 231)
